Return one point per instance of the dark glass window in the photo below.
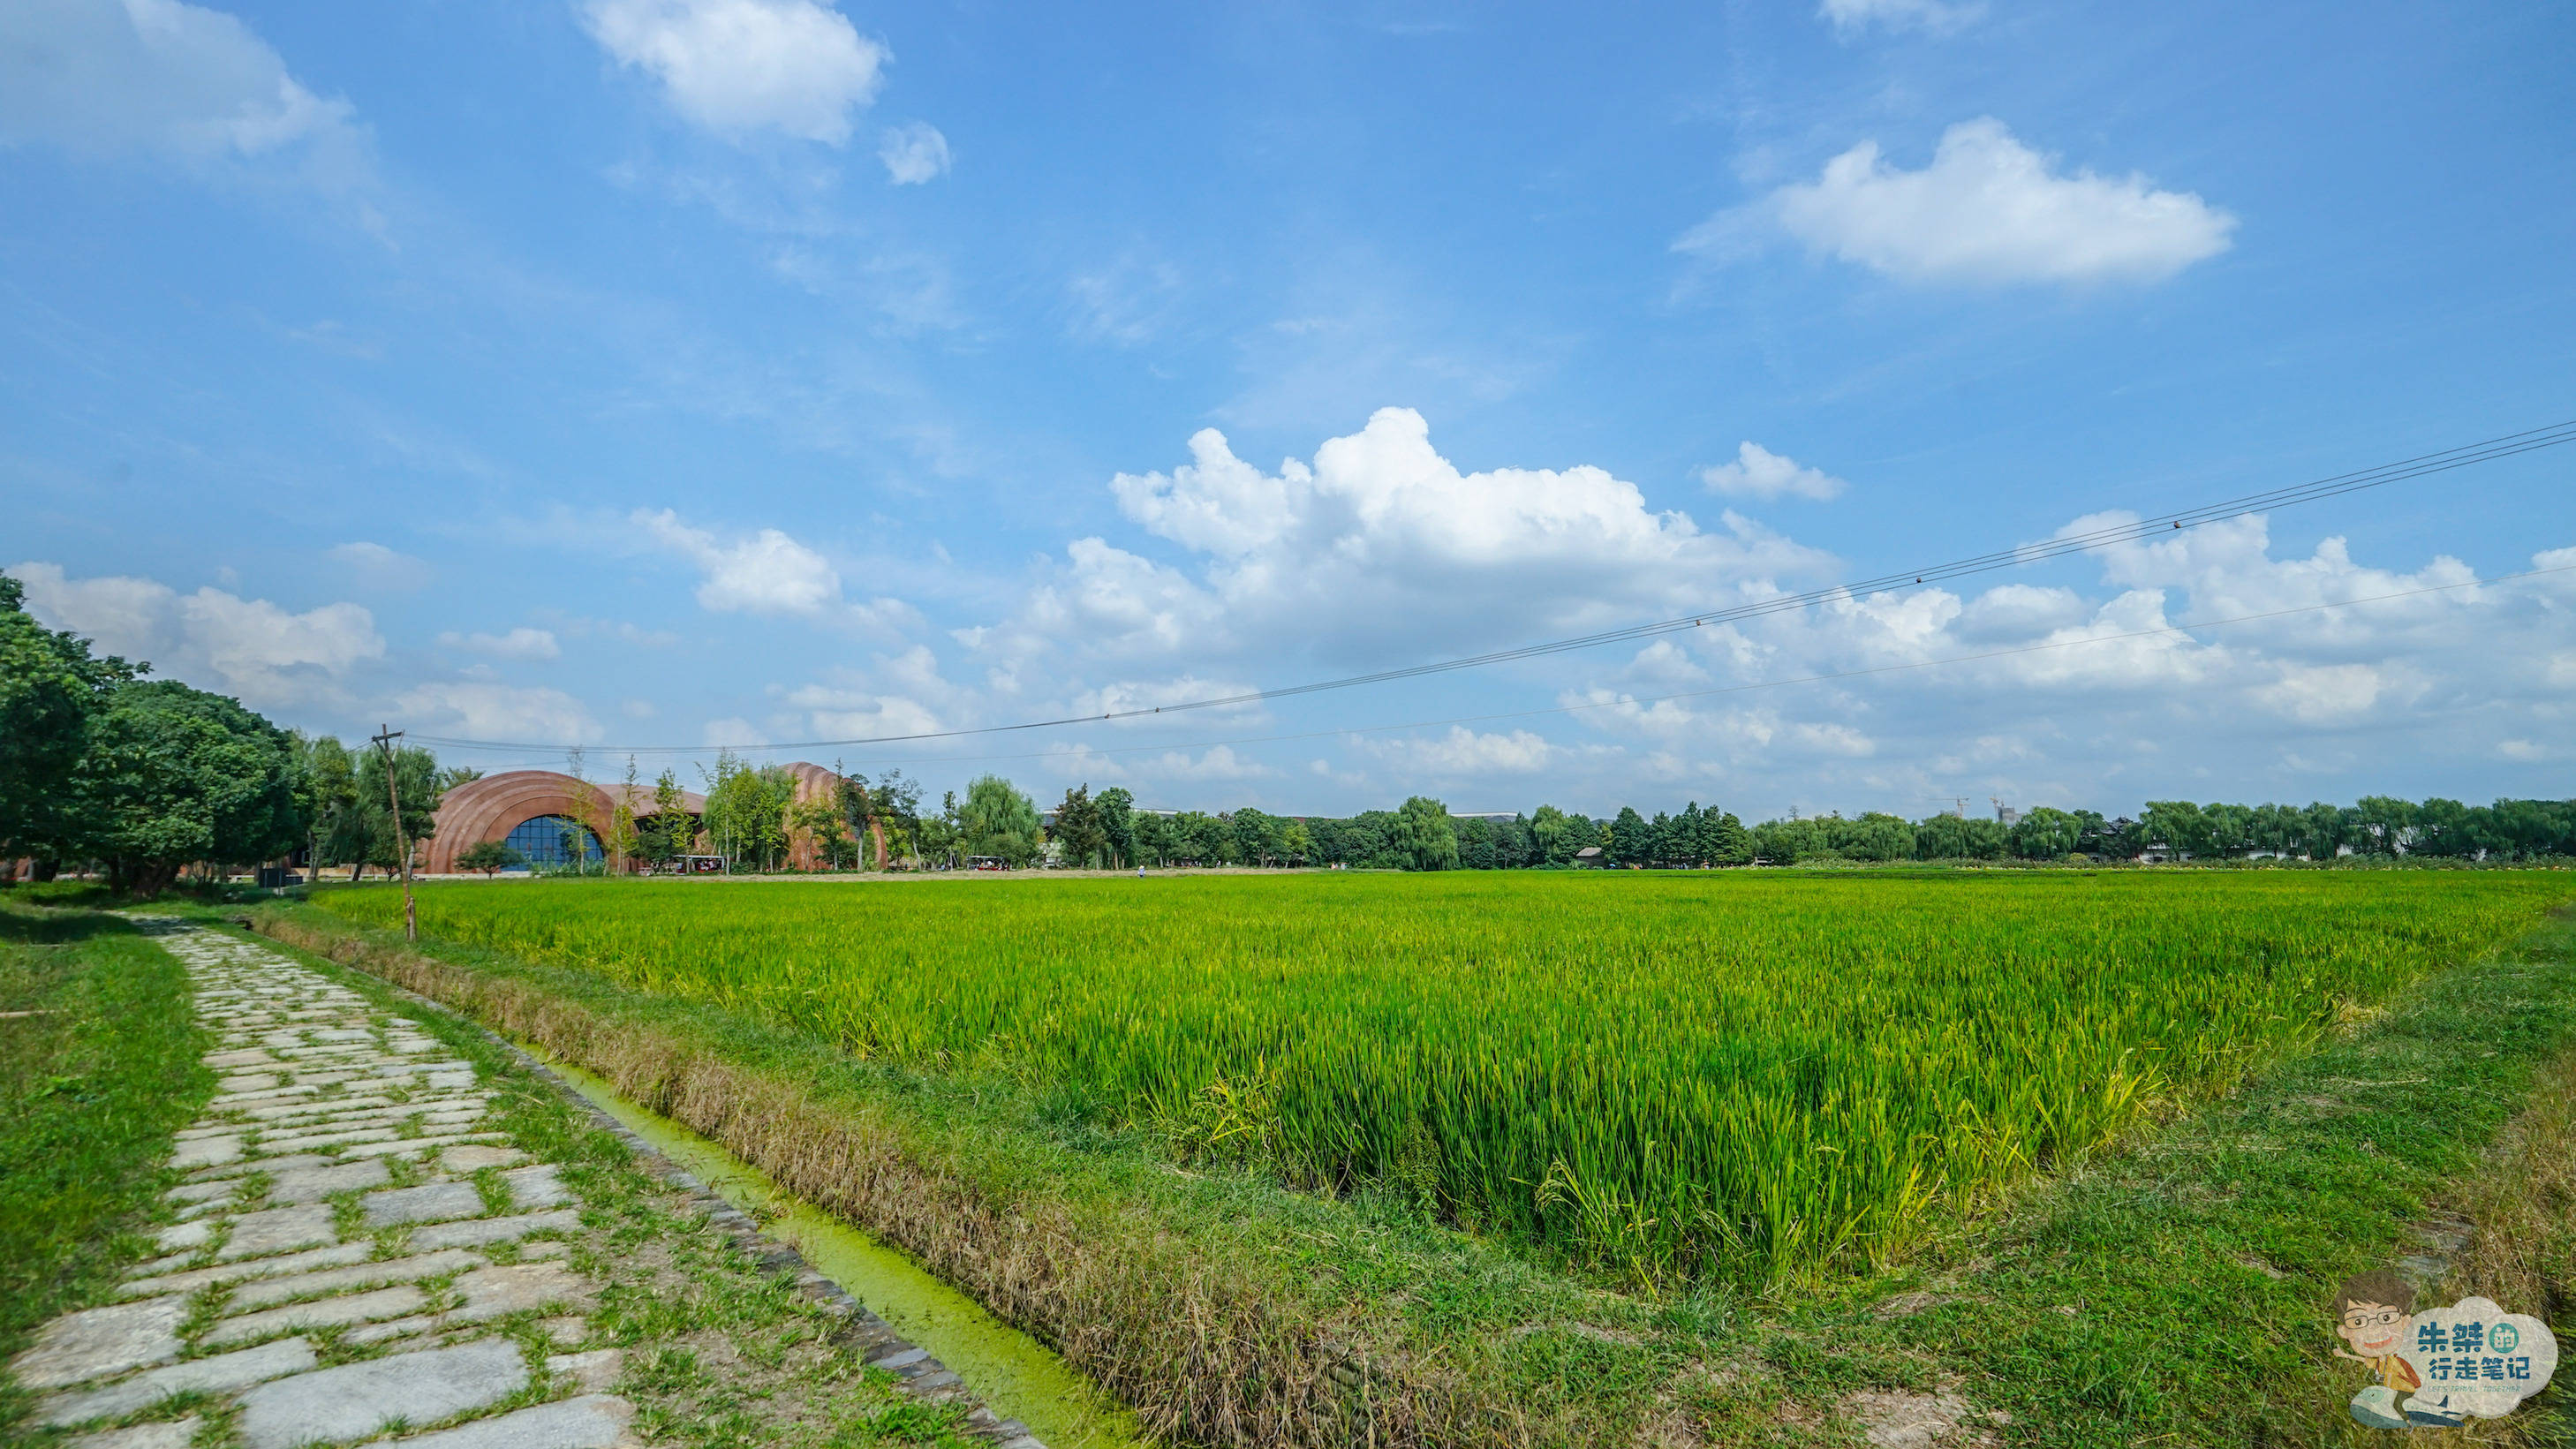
(554, 840)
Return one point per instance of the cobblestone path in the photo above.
(364, 1249)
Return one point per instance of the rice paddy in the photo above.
(1673, 1076)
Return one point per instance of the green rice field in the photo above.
(1677, 1075)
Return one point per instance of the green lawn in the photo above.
(98, 1067)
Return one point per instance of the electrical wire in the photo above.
(2424, 465)
(1631, 701)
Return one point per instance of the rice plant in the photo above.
(1674, 1075)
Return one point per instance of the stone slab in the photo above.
(433, 1202)
(265, 1291)
(518, 1287)
(275, 1230)
(173, 1434)
(414, 1146)
(476, 1231)
(196, 1278)
(536, 1187)
(475, 1159)
(312, 1184)
(359, 1398)
(97, 1342)
(349, 1308)
(309, 1141)
(207, 1152)
(594, 1372)
(261, 1164)
(218, 1373)
(593, 1421)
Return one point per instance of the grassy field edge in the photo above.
(97, 1071)
(2174, 1292)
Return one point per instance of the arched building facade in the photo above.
(541, 808)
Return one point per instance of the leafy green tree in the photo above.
(372, 838)
(746, 817)
(1955, 837)
(1297, 842)
(1787, 842)
(489, 856)
(1728, 842)
(172, 775)
(1559, 835)
(335, 827)
(997, 820)
(2177, 825)
(1424, 836)
(1632, 840)
(2046, 833)
(50, 686)
(672, 830)
(1118, 824)
(1257, 836)
(1080, 837)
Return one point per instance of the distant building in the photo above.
(1591, 857)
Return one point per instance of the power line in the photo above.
(2424, 465)
(2185, 627)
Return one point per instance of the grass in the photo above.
(1677, 1077)
(92, 1083)
(2174, 1289)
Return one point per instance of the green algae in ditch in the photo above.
(1013, 1373)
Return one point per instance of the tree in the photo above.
(1079, 836)
(489, 856)
(671, 830)
(1729, 843)
(2046, 833)
(1256, 836)
(1118, 823)
(1297, 843)
(171, 775)
(1423, 835)
(1558, 835)
(746, 814)
(335, 827)
(1957, 837)
(997, 820)
(1632, 840)
(372, 838)
(1874, 836)
(624, 840)
(50, 686)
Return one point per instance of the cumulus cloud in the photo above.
(1987, 210)
(764, 573)
(267, 655)
(913, 153)
(482, 710)
(1849, 17)
(1759, 473)
(164, 79)
(1378, 548)
(521, 643)
(739, 66)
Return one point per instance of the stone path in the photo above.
(360, 1252)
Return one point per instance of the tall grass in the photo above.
(1676, 1075)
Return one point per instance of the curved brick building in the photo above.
(536, 812)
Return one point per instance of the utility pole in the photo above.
(402, 842)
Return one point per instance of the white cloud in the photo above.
(765, 573)
(165, 79)
(1987, 210)
(736, 66)
(2325, 694)
(482, 710)
(381, 567)
(1379, 548)
(1852, 16)
(733, 731)
(913, 153)
(266, 655)
(520, 643)
(1465, 752)
(1759, 473)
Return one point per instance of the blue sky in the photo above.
(695, 372)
